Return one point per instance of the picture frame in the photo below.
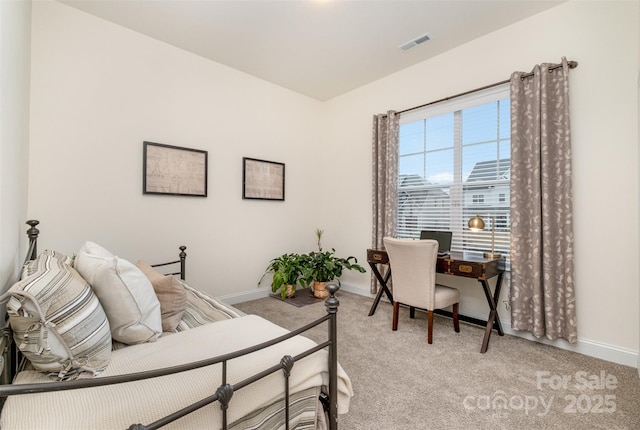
(262, 179)
(174, 170)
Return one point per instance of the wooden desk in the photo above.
(468, 265)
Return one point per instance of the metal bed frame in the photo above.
(223, 394)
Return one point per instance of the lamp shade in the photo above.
(476, 223)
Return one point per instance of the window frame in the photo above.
(460, 191)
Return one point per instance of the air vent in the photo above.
(415, 42)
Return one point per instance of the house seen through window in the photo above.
(453, 164)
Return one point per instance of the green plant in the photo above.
(324, 266)
(287, 270)
(319, 234)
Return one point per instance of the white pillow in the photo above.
(125, 293)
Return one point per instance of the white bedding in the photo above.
(117, 407)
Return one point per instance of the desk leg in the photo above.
(494, 320)
(496, 298)
(383, 287)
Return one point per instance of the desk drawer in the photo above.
(467, 268)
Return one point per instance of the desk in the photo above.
(468, 265)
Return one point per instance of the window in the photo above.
(454, 163)
(478, 198)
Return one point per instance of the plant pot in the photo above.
(290, 292)
(319, 291)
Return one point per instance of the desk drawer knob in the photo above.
(465, 269)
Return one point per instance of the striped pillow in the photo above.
(57, 320)
(202, 309)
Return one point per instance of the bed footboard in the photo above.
(224, 394)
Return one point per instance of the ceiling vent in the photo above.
(415, 42)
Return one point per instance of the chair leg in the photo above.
(412, 312)
(456, 319)
(430, 327)
(396, 309)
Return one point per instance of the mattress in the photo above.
(119, 406)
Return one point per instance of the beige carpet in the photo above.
(401, 382)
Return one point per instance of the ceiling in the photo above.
(319, 48)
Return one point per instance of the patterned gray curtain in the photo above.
(385, 179)
(542, 255)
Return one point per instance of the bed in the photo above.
(207, 366)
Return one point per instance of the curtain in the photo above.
(542, 253)
(385, 179)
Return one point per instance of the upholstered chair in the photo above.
(413, 274)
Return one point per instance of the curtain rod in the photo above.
(572, 65)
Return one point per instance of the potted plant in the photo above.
(321, 267)
(287, 270)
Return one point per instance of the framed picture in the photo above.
(262, 180)
(173, 170)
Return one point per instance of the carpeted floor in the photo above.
(401, 382)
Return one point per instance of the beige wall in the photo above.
(95, 98)
(603, 37)
(638, 169)
(15, 26)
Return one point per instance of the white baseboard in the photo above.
(583, 346)
(588, 347)
(245, 296)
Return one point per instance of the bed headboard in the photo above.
(182, 260)
(9, 354)
(32, 233)
(32, 252)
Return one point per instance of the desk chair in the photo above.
(413, 268)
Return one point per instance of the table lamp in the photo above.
(477, 224)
